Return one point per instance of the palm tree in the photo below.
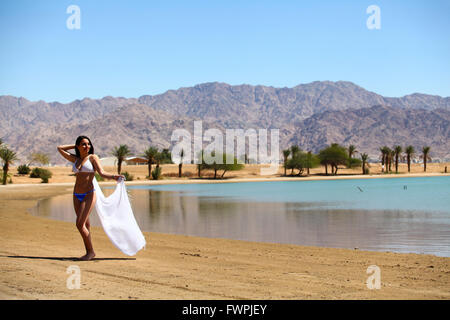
(351, 151)
(389, 156)
(425, 156)
(294, 151)
(383, 155)
(181, 163)
(150, 155)
(397, 152)
(409, 154)
(121, 153)
(200, 163)
(8, 156)
(384, 158)
(364, 158)
(159, 157)
(286, 154)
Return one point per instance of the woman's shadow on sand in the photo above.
(66, 258)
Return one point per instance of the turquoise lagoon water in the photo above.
(416, 194)
(389, 214)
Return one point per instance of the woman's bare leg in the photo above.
(83, 224)
(79, 207)
(88, 227)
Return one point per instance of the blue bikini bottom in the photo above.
(80, 196)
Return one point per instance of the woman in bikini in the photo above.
(85, 163)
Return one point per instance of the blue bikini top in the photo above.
(87, 167)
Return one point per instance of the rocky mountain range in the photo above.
(310, 115)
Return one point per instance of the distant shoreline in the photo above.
(240, 180)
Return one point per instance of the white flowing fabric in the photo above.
(117, 219)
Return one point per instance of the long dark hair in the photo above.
(77, 143)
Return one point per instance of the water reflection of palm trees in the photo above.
(169, 211)
(179, 212)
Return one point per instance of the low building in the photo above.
(136, 161)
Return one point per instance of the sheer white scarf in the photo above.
(117, 219)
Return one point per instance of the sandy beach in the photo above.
(36, 252)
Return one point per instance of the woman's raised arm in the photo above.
(63, 151)
(98, 167)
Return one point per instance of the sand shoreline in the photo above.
(36, 252)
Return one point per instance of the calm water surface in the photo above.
(398, 214)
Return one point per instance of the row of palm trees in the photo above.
(336, 155)
(389, 155)
(151, 154)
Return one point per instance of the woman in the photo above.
(85, 164)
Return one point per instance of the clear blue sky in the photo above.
(131, 48)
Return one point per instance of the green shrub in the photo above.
(44, 174)
(156, 174)
(23, 169)
(128, 176)
(35, 173)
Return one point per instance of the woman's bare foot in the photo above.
(88, 256)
